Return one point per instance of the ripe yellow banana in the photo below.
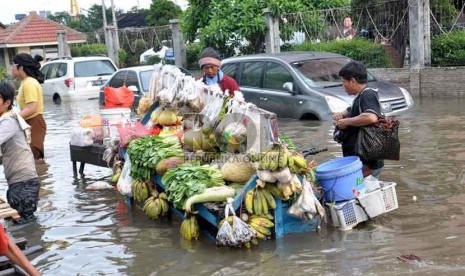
(249, 201)
(258, 228)
(264, 222)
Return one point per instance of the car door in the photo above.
(273, 97)
(133, 80)
(55, 75)
(250, 80)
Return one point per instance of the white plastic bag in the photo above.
(81, 137)
(371, 183)
(307, 205)
(124, 183)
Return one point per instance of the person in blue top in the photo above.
(365, 110)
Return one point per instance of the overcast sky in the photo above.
(8, 8)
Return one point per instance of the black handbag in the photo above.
(379, 141)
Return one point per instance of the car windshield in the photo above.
(323, 72)
(145, 77)
(93, 68)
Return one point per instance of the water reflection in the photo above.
(96, 233)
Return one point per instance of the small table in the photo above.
(88, 155)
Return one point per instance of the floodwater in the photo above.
(95, 233)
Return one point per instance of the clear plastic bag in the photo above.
(234, 235)
(243, 233)
(225, 235)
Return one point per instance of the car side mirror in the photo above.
(289, 87)
(133, 88)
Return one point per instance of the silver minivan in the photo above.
(305, 85)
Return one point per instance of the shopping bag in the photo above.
(379, 141)
(118, 97)
(129, 132)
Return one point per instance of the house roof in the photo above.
(129, 20)
(36, 30)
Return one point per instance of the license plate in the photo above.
(98, 82)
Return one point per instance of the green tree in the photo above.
(240, 24)
(161, 11)
(61, 17)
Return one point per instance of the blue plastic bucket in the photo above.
(341, 178)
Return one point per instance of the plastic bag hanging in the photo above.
(225, 235)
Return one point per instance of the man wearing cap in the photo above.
(210, 63)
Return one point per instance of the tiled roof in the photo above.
(36, 30)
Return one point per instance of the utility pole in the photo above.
(419, 33)
(116, 38)
(109, 36)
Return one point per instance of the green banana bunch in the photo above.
(156, 206)
(117, 169)
(274, 190)
(259, 201)
(190, 228)
(116, 175)
(279, 157)
(141, 190)
(296, 162)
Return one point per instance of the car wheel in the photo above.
(56, 99)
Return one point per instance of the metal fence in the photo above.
(385, 22)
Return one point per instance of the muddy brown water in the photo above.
(95, 233)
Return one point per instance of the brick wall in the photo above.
(427, 82)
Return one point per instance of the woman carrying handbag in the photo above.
(365, 111)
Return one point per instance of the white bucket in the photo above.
(111, 118)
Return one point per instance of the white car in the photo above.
(77, 78)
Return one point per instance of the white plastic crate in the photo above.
(348, 214)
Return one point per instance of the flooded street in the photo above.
(95, 233)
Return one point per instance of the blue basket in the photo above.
(341, 178)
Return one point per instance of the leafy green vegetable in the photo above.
(288, 141)
(189, 179)
(147, 151)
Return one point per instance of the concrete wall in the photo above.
(426, 82)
